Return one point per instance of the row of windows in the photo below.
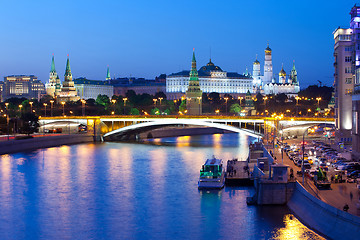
(348, 80)
(347, 58)
(348, 70)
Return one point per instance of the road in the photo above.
(337, 196)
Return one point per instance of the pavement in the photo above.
(337, 196)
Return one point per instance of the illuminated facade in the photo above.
(344, 63)
(53, 86)
(211, 79)
(68, 91)
(355, 56)
(92, 88)
(27, 86)
(267, 84)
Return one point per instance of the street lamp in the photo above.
(45, 104)
(51, 107)
(31, 103)
(297, 103)
(303, 152)
(226, 99)
(240, 98)
(83, 102)
(318, 99)
(63, 107)
(7, 120)
(155, 100)
(113, 102)
(20, 106)
(199, 98)
(124, 99)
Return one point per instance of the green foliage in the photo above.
(134, 111)
(103, 100)
(155, 111)
(167, 111)
(182, 106)
(235, 108)
(30, 123)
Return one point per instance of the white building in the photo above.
(211, 79)
(266, 84)
(92, 88)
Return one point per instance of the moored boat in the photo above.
(212, 174)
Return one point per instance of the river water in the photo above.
(133, 191)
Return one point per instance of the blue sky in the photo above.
(146, 38)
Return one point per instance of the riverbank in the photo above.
(21, 145)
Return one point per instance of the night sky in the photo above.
(146, 38)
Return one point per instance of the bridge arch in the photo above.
(137, 127)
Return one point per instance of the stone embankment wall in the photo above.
(323, 218)
(22, 145)
(270, 193)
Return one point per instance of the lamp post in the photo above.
(303, 152)
(297, 103)
(83, 102)
(45, 104)
(226, 99)
(63, 107)
(7, 120)
(113, 102)
(124, 99)
(160, 98)
(51, 107)
(265, 98)
(318, 104)
(31, 103)
(240, 99)
(20, 106)
(199, 99)
(155, 100)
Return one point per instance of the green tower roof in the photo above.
(68, 70)
(193, 72)
(108, 74)
(53, 65)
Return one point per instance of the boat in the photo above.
(212, 174)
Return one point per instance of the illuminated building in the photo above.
(354, 54)
(27, 86)
(346, 53)
(68, 90)
(53, 87)
(267, 84)
(211, 79)
(92, 88)
(193, 93)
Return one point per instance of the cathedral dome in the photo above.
(282, 72)
(210, 67)
(256, 62)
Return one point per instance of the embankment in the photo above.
(14, 146)
(323, 218)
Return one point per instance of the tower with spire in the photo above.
(108, 78)
(51, 84)
(194, 93)
(268, 68)
(68, 90)
(293, 76)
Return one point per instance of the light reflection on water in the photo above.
(133, 191)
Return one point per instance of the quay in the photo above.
(238, 173)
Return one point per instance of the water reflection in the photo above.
(132, 191)
(294, 229)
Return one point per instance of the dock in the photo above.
(238, 173)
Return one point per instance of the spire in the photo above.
(294, 65)
(108, 74)
(53, 65)
(68, 70)
(193, 62)
(193, 72)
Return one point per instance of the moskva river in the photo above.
(141, 191)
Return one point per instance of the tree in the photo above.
(134, 111)
(182, 106)
(167, 111)
(155, 111)
(103, 100)
(30, 123)
(214, 97)
(235, 108)
(160, 95)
